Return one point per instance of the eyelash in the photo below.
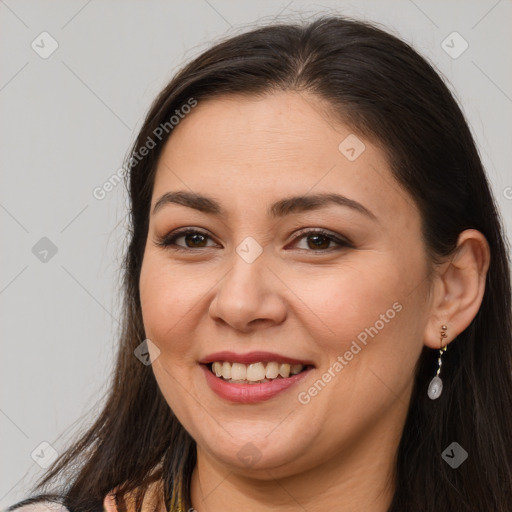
(169, 240)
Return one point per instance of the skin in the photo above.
(337, 451)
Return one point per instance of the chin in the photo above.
(256, 454)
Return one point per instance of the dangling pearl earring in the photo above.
(435, 388)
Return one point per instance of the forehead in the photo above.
(241, 149)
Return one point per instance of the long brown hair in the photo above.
(384, 90)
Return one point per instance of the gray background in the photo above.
(69, 119)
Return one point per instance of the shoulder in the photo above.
(42, 506)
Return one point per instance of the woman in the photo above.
(317, 292)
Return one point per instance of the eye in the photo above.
(196, 239)
(319, 240)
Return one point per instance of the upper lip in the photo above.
(252, 357)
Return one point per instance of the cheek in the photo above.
(165, 301)
(353, 297)
(366, 311)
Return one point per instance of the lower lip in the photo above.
(250, 393)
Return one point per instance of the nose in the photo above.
(249, 296)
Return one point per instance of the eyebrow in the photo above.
(281, 208)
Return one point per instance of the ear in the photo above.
(458, 288)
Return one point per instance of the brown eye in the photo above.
(320, 241)
(193, 239)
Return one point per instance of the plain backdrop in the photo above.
(76, 79)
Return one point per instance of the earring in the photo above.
(435, 387)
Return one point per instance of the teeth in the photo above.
(217, 369)
(255, 372)
(284, 370)
(295, 368)
(226, 370)
(272, 370)
(238, 371)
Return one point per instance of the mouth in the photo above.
(253, 377)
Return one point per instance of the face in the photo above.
(320, 302)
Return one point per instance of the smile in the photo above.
(253, 377)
